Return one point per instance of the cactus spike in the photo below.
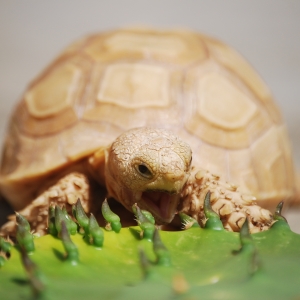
(80, 215)
(74, 210)
(213, 221)
(51, 221)
(277, 215)
(70, 247)
(142, 215)
(22, 221)
(245, 238)
(280, 220)
(187, 221)
(23, 234)
(71, 225)
(245, 235)
(247, 245)
(147, 227)
(61, 215)
(149, 216)
(95, 234)
(162, 254)
(112, 219)
(144, 262)
(34, 275)
(2, 261)
(5, 246)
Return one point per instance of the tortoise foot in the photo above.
(65, 192)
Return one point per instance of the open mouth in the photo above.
(162, 204)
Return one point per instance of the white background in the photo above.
(266, 32)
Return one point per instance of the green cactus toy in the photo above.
(198, 263)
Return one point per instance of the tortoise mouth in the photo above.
(162, 204)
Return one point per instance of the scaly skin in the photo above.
(228, 202)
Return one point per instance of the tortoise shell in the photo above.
(191, 84)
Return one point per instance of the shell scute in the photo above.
(166, 46)
(237, 64)
(223, 111)
(61, 82)
(133, 91)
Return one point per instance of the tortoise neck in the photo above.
(96, 165)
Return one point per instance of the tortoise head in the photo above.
(149, 167)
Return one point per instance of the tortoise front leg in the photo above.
(227, 201)
(64, 193)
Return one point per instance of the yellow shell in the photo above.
(191, 84)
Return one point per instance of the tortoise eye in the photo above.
(190, 162)
(144, 171)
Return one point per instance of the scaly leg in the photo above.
(65, 192)
(227, 201)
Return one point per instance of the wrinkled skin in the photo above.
(152, 171)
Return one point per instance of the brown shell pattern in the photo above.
(195, 86)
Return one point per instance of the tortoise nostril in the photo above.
(176, 176)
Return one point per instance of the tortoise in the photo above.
(126, 109)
